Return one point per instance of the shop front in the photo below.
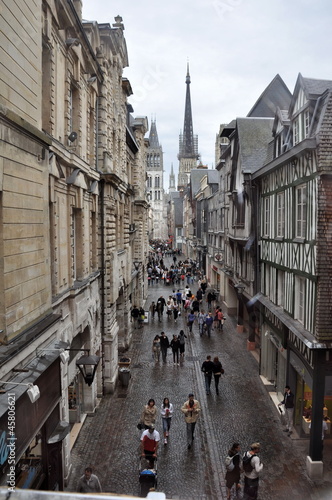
(33, 430)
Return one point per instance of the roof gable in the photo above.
(275, 95)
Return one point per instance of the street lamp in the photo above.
(87, 365)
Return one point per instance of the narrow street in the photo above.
(243, 412)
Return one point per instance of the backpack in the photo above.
(246, 462)
(229, 462)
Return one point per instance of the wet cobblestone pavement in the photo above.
(243, 412)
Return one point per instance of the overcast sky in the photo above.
(234, 48)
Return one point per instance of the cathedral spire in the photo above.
(188, 142)
(153, 137)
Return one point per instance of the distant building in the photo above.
(155, 185)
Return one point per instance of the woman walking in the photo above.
(156, 348)
(166, 415)
(217, 372)
(175, 345)
(149, 413)
(233, 469)
(191, 318)
(182, 336)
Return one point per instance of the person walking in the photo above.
(164, 345)
(175, 312)
(175, 346)
(233, 469)
(201, 322)
(217, 372)
(190, 321)
(149, 413)
(288, 401)
(156, 348)
(208, 369)
(252, 467)
(209, 323)
(152, 309)
(149, 444)
(135, 316)
(161, 303)
(191, 409)
(88, 483)
(166, 415)
(182, 336)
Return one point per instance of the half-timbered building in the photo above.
(295, 188)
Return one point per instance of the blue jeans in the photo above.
(190, 432)
(208, 378)
(166, 423)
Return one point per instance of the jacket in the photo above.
(288, 400)
(148, 416)
(191, 414)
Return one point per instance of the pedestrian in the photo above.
(233, 469)
(211, 298)
(209, 323)
(195, 304)
(161, 303)
(208, 369)
(221, 319)
(252, 466)
(288, 401)
(182, 336)
(199, 295)
(164, 345)
(201, 322)
(166, 415)
(191, 409)
(88, 483)
(217, 372)
(135, 316)
(190, 320)
(175, 346)
(324, 429)
(175, 312)
(141, 317)
(152, 309)
(149, 444)
(148, 416)
(156, 348)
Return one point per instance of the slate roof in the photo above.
(275, 95)
(153, 136)
(254, 137)
(196, 175)
(315, 87)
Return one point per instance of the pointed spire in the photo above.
(188, 143)
(153, 137)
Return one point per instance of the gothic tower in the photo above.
(188, 142)
(155, 184)
(172, 187)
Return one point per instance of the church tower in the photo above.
(172, 186)
(188, 142)
(155, 184)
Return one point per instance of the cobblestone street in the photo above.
(243, 412)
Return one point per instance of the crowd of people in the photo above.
(201, 314)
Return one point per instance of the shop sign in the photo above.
(272, 319)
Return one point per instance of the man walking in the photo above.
(209, 323)
(88, 483)
(288, 401)
(208, 369)
(149, 444)
(191, 410)
(164, 345)
(252, 466)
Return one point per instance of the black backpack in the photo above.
(246, 462)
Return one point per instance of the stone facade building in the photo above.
(71, 191)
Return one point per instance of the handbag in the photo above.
(140, 426)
